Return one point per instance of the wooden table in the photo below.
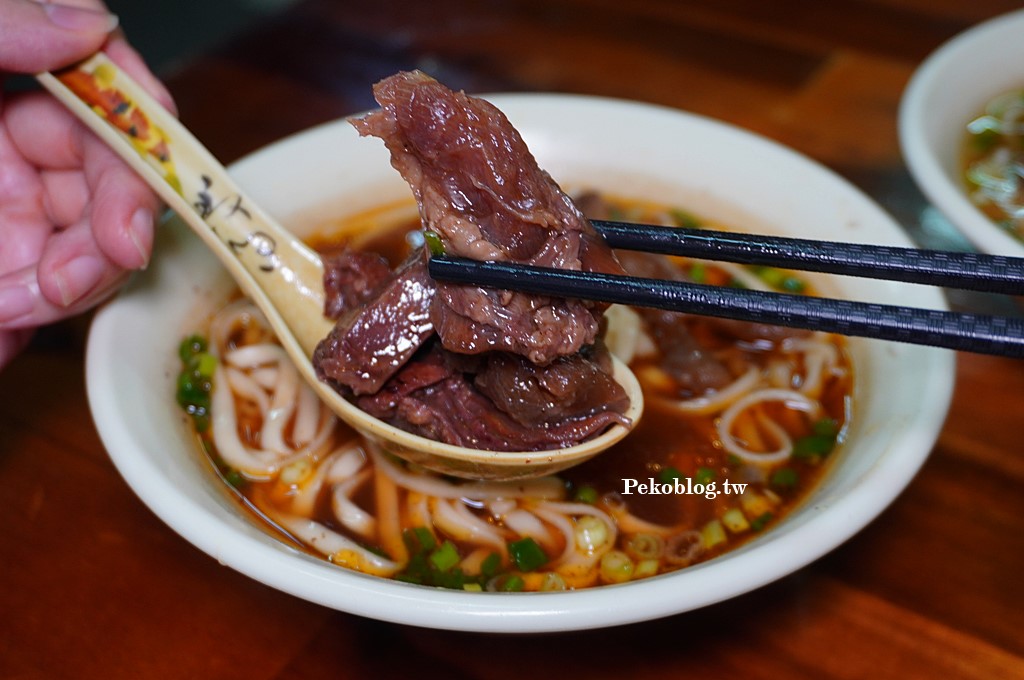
(93, 585)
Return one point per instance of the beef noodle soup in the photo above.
(740, 420)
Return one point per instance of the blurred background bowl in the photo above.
(950, 88)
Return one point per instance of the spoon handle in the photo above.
(280, 273)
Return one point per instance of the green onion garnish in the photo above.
(704, 475)
(445, 557)
(785, 478)
(586, 494)
(759, 522)
(527, 554)
(433, 242)
(669, 475)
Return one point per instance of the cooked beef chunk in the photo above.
(431, 397)
(481, 191)
(352, 277)
(695, 368)
(371, 342)
(569, 387)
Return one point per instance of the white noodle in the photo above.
(350, 459)
(351, 516)
(458, 522)
(820, 357)
(743, 275)
(623, 334)
(304, 498)
(282, 405)
(792, 398)
(245, 387)
(339, 548)
(526, 524)
(253, 356)
(418, 512)
(308, 412)
(715, 401)
(265, 376)
(255, 463)
(431, 485)
(564, 525)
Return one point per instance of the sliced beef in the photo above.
(369, 343)
(695, 368)
(431, 397)
(481, 191)
(569, 387)
(352, 277)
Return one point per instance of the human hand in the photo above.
(74, 219)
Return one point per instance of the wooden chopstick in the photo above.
(974, 333)
(972, 271)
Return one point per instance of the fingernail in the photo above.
(79, 18)
(77, 277)
(142, 223)
(15, 301)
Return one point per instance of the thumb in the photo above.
(40, 36)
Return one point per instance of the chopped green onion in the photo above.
(786, 478)
(669, 475)
(754, 504)
(195, 382)
(735, 521)
(472, 587)
(698, 273)
(646, 568)
(205, 364)
(552, 581)
(489, 567)
(704, 475)
(591, 534)
(792, 284)
(616, 567)
(526, 554)
(684, 219)
(586, 494)
(433, 242)
(713, 534)
(419, 539)
(760, 521)
(445, 557)
(644, 546)
(826, 427)
(234, 478)
(513, 584)
(192, 345)
(779, 279)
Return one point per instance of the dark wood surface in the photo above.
(92, 585)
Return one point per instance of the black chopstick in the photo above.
(952, 330)
(973, 271)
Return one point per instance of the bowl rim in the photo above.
(921, 157)
(315, 580)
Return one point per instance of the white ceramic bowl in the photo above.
(633, 150)
(949, 89)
